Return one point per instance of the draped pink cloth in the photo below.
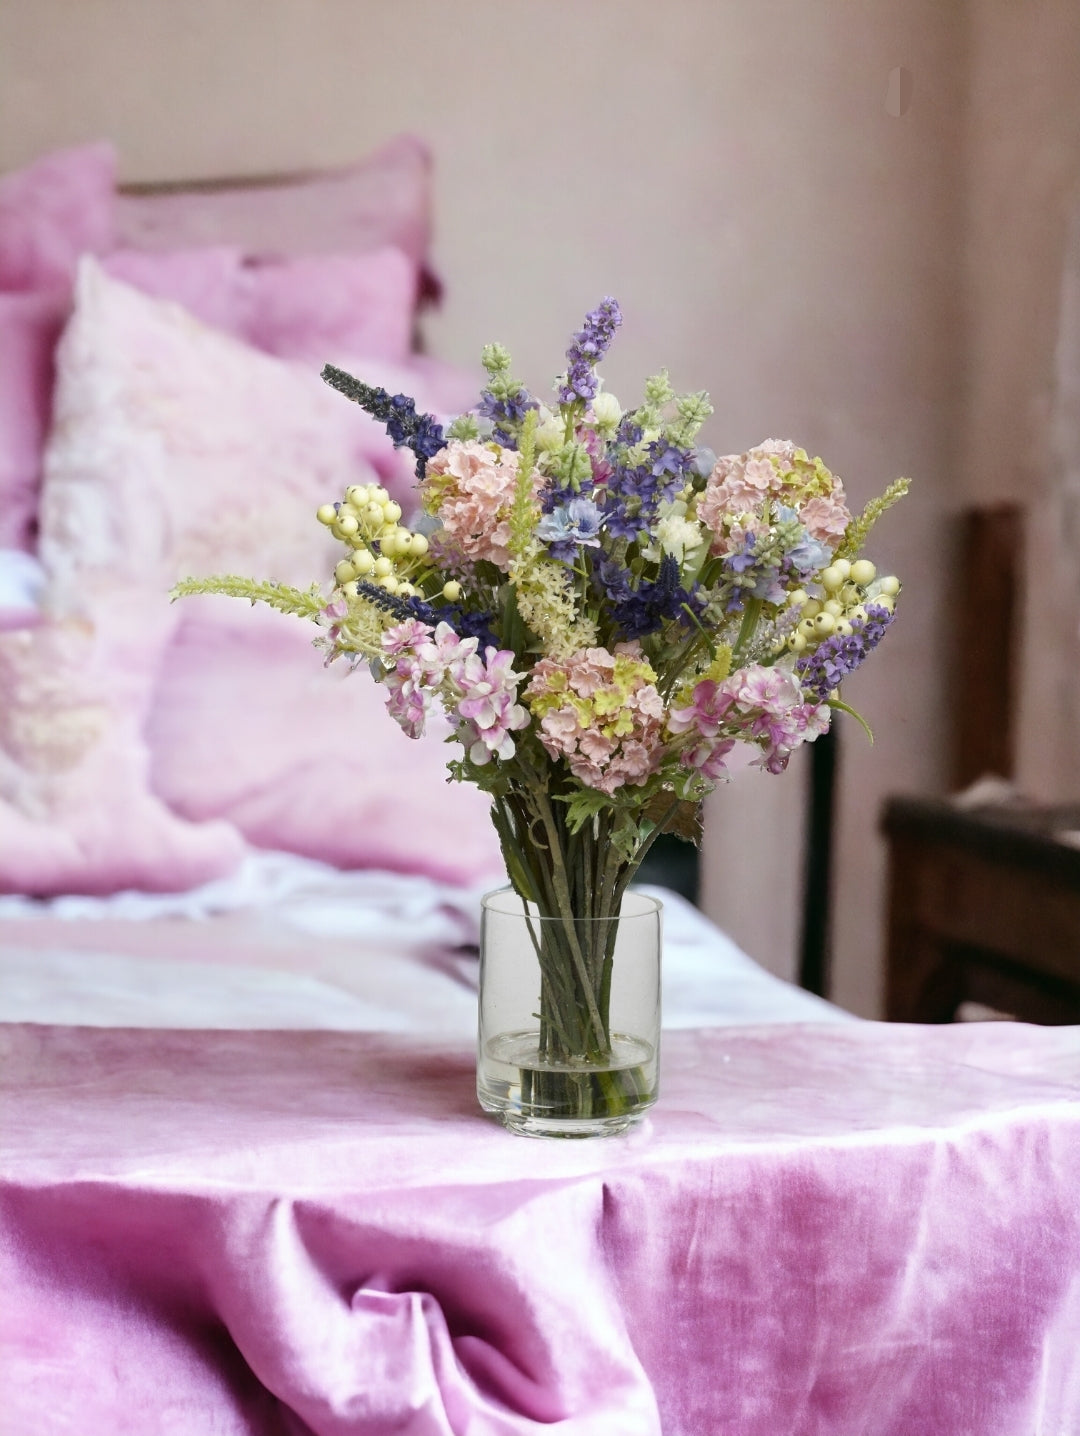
(865, 1230)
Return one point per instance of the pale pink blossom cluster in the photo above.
(475, 487)
(776, 469)
(764, 706)
(602, 712)
(481, 692)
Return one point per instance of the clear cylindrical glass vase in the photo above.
(569, 1030)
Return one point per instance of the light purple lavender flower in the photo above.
(837, 657)
(589, 346)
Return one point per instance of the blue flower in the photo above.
(510, 409)
(806, 556)
(641, 610)
(422, 433)
(570, 524)
(661, 474)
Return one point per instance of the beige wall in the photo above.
(1021, 420)
(727, 168)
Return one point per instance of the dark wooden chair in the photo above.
(984, 903)
(984, 907)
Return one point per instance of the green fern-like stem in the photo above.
(857, 530)
(303, 603)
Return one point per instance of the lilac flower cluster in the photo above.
(589, 346)
(837, 657)
(422, 433)
(508, 409)
(641, 610)
(660, 475)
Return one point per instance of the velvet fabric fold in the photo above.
(819, 1229)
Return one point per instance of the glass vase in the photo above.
(569, 1024)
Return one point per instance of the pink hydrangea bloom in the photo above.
(740, 483)
(474, 484)
(763, 706)
(602, 712)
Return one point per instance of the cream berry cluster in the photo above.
(849, 588)
(381, 550)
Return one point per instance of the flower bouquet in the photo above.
(604, 609)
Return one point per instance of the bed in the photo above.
(245, 1184)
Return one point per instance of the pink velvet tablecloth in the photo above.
(865, 1230)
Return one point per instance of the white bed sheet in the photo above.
(288, 943)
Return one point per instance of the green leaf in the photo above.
(583, 805)
(844, 708)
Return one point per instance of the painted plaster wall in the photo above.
(730, 170)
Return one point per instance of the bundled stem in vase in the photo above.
(604, 610)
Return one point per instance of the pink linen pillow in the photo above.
(248, 724)
(30, 325)
(76, 813)
(383, 200)
(317, 308)
(53, 211)
(178, 450)
(64, 205)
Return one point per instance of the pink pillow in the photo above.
(178, 450)
(317, 308)
(53, 211)
(76, 813)
(383, 200)
(30, 325)
(320, 308)
(248, 724)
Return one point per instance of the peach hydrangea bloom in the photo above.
(470, 486)
(740, 484)
(602, 712)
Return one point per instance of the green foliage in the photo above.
(692, 411)
(857, 529)
(464, 427)
(658, 390)
(525, 509)
(572, 464)
(303, 603)
(846, 708)
(496, 360)
(584, 805)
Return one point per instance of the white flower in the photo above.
(607, 411)
(550, 432)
